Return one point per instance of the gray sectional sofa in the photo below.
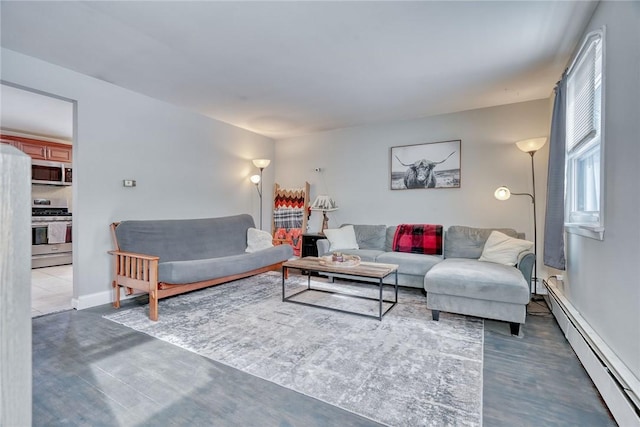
(168, 257)
(457, 281)
(375, 243)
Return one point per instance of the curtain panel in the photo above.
(554, 215)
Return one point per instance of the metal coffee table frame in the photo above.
(310, 270)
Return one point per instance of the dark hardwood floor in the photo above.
(537, 380)
(88, 371)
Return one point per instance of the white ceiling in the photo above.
(283, 69)
(39, 115)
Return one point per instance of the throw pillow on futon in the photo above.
(258, 240)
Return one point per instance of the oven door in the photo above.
(45, 254)
(40, 233)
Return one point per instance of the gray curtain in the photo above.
(554, 215)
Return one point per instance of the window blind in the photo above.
(581, 88)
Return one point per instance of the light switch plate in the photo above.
(128, 182)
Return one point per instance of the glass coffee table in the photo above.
(364, 270)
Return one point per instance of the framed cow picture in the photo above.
(429, 165)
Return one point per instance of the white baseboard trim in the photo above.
(619, 388)
(99, 298)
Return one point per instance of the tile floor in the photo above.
(51, 289)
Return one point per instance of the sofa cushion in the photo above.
(185, 239)
(258, 240)
(341, 238)
(388, 241)
(370, 236)
(480, 280)
(408, 263)
(197, 270)
(502, 249)
(468, 242)
(368, 255)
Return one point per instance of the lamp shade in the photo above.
(531, 145)
(324, 203)
(261, 163)
(255, 179)
(502, 193)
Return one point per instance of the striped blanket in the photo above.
(418, 239)
(288, 217)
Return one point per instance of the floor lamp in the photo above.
(503, 193)
(257, 180)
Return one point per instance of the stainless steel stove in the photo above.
(51, 226)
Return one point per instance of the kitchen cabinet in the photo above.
(40, 150)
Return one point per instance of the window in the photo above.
(584, 130)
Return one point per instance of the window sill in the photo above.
(591, 231)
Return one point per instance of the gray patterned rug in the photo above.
(403, 371)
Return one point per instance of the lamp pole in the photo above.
(531, 146)
(535, 237)
(535, 229)
(260, 164)
(503, 193)
(260, 192)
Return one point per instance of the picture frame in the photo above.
(425, 166)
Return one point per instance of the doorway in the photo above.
(41, 117)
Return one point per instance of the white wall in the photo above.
(602, 276)
(186, 165)
(355, 165)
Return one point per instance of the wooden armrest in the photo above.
(135, 255)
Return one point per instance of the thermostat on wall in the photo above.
(128, 182)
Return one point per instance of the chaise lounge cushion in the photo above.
(475, 279)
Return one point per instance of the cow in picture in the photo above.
(420, 174)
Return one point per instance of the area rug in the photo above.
(405, 370)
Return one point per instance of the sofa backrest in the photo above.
(369, 236)
(185, 239)
(390, 233)
(468, 242)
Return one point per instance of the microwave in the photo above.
(51, 173)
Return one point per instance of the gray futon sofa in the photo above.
(168, 257)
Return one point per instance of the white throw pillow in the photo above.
(258, 240)
(503, 249)
(341, 238)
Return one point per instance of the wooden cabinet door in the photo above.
(59, 153)
(34, 150)
(12, 143)
(40, 150)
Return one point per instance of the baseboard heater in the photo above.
(617, 385)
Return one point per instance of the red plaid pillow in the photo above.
(418, 239)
